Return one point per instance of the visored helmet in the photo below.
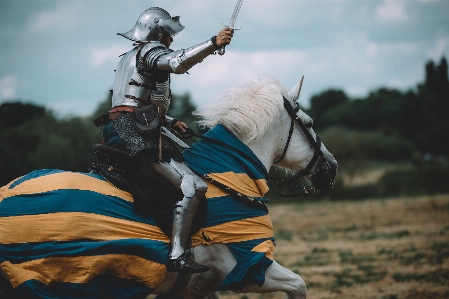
(151, 24)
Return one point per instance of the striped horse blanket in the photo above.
(246, 230)
(72, 235)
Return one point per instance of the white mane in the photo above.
(248, 109)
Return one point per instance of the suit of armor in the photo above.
(142, 78)
(143, 73)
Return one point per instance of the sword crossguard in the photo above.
(222, 50)
(234, 28)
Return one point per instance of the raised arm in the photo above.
(159, 57)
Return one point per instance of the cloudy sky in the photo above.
(62, 54)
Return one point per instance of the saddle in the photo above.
(152, 193)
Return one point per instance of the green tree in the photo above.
(419, 115)
(32, 138)
(431, 108)
(15, 113)
(323, 102)
(182, 108)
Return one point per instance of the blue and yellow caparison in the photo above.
(79, 235)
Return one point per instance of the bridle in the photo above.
(316, 144)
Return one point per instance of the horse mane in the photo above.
(247, 109)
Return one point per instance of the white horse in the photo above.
(260, 114)
(255, 113)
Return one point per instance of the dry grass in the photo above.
(369, 172)
(387, 249)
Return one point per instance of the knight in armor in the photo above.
(143, 78)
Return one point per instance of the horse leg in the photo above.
(220, 261)
(278, 278)
(213, 296)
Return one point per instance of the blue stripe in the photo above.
(104, 286)
(71, 200)
(207, 157)
(250, 269)
(241, 249)
(43, 172)
(22, 252)
(227, 208)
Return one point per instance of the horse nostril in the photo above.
(324, 176)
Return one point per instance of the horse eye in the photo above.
(309, 124)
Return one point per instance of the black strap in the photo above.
(292, 113)
(244, 198)
(288, 142)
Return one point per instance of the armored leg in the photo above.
(193, 189)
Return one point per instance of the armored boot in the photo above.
(193, 188)
(179, 260)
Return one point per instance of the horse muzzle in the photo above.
(324, 176)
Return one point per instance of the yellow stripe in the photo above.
(236, 231)
(84, 268)
(4, 190)
(266, 247)
(73, 226)
(65, 180)
(241, 183)
(12, 182)
(214, 191)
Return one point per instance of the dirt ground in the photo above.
(387, 248)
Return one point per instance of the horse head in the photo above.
(307, 155)
(266, 117)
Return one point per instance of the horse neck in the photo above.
(265, 148)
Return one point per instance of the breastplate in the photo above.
(136, 84)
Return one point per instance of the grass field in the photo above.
(387, 248)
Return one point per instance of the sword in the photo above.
(221, 51)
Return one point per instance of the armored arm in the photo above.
(180, 61)
(170, 121)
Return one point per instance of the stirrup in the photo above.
(185, 264)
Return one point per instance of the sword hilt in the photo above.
(222, 50)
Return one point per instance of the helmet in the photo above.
(151, 24)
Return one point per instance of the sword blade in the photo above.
(222, 50)
(173, 137)
(235, 14)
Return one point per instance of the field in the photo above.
(387, 248)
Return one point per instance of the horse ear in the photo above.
(296, 90)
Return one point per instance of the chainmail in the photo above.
(124, 126)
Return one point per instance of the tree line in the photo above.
(418, 116)
(387, 124)
(32, 137)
